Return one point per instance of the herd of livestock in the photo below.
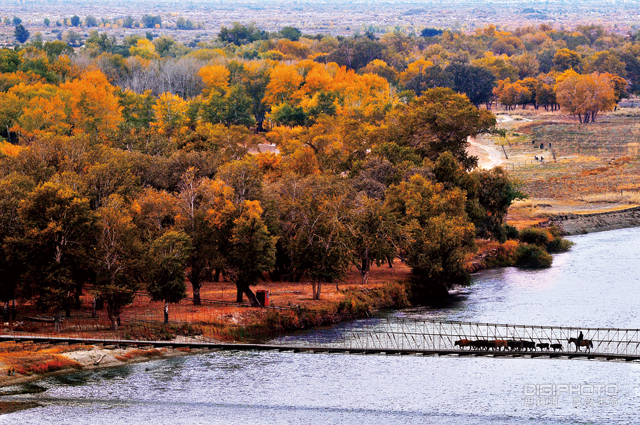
(518, 345)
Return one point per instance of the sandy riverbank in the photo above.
(23, 362)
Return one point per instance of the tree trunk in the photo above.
(238, 294)
(313, 290)
(114, 323)
(76, 296)
(244, 289)
(196, 292)
(58, 320)
(94, 312)
(194, 278)
(14, 312)
(166, 312)
(216, 275)
(505, 152)
(5, 312)
(364, 270)
(318, 289)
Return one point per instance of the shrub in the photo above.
(511, 232)
(559, 244)
(533, 256)
(540, 237)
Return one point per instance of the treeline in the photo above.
(119, 191)
(583, 71)
(148, 164)
(128, 22)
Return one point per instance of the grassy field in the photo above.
(587, 168)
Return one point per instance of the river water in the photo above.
(594, 285)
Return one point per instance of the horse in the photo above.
(462, 343)
(584, 343)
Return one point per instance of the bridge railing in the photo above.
(410, 334)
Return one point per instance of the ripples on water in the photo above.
(594, 285)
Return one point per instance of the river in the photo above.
(596, 284)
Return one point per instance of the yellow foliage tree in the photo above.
(170, 113)
(284, 86)
(215, 77)
(586, 95)
(94, 107)
(144, 48)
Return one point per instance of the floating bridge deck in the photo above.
(394, 336)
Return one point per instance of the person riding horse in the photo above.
(580, 338)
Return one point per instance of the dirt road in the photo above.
(488, 156)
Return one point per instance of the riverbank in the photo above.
(577, 224)
(23, 362)
(291, 309)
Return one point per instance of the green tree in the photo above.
(90, 21)
(438, 235)
(57, 242)
(13, 189)
(475, 81)
(118, 257)
(315, 239)
(204, 212)
(47, 22)
(21, 33)
(75, 21)
(240, 34)
(375, 234)
(291, 33)
(252, 250)
(439, 121)
(166, 265)
(150, 21)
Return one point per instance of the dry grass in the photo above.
(630, 198)
(597, 166)
(150, 353)
(29, 358)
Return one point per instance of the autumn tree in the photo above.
(94, 106)
(586, 95)
(565, 59)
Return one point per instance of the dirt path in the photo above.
(488, 156)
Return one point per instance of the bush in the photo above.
(533, 256)
(559, 244)
(510, 232)
(540, 237)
